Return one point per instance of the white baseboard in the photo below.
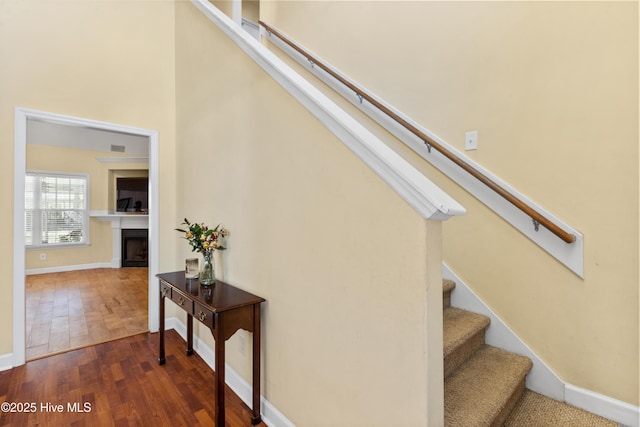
(6, 361)
(615, 410)
(271, 416)
(541, 379)
(61, 269)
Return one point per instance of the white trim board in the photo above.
(418, 191)
(122, 159)
(22, 116)
(613, 409)
(541, 379)
(271, 416)
(63, 268)
(571, 255)
(6, 361)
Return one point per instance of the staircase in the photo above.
(482, 384)
(485, 386)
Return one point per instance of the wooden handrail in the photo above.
(537, 217)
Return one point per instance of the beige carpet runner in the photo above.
(485, 386)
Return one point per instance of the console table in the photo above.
(223, 309)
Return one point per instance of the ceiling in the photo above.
(84, 138)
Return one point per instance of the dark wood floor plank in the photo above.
(124, 386)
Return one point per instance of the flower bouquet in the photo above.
(206, 241)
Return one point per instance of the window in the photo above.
(56, 209)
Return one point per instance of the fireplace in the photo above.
(134, 248)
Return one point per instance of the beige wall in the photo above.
(552, 89)
(101, 182)
(102, 60)
(251, 10)
(342, 261)
(225, 6)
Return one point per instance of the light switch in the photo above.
(471, 140)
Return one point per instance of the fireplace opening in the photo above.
(134, 248)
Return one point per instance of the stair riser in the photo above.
(504, 414)
(447, 287)
(463, 352)
(446, 300)
(484, 390)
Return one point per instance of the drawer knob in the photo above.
(181, 301)
(202, 316)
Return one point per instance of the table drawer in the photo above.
(183, 302)
(203, 314)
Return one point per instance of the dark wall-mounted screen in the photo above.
(132, 194)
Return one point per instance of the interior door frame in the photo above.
(22, 115)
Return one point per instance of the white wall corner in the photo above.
(236, 11)
(19, 256)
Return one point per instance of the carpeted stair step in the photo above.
(483, 390)
(534, 409)
(463, 335)
(447, 287)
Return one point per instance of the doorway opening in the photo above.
(22, 118)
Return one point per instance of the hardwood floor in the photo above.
(75, 309)
(118, 383)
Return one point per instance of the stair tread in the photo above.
(478, 391)
(541, 411)
(460, 325)
(448, 285)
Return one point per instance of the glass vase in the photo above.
(207, 272)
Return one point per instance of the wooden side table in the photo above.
(223, 309)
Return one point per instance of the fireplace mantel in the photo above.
(122, 219)
(119, 221)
